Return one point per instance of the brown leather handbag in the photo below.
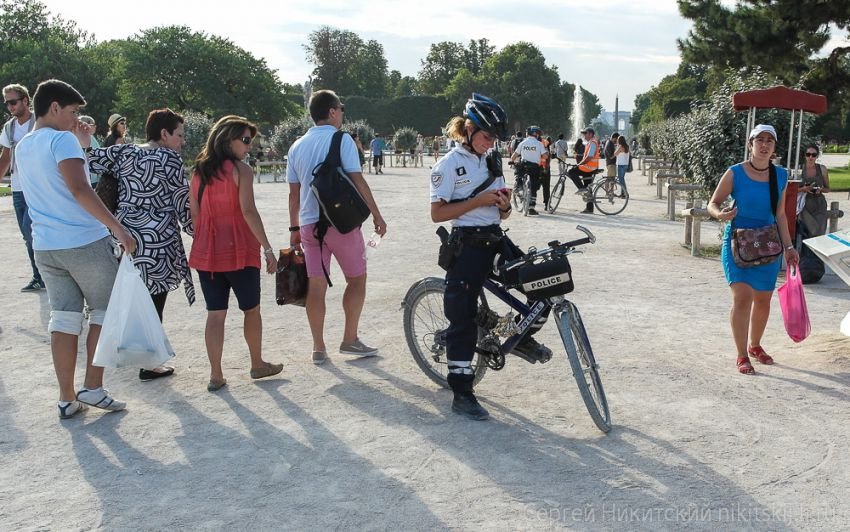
(291, 278)
(758, 245)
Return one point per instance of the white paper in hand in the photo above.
(132, 335)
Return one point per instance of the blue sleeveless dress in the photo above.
(753, 201)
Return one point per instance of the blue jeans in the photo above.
(25, 225)
(621, 175)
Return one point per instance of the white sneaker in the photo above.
(100, 399)
(71, 409)
(357, 348)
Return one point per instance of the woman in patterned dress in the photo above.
(153, 204)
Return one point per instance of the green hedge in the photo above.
(710, 139)
(425, 114)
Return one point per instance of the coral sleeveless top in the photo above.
(223, 241)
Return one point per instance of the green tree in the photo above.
(370, 71)
(440, 66)
(781, 36)
(335, 53)
(35, 46)
(176, 67)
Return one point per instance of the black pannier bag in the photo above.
(549, 278)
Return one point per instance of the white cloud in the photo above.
(593, 43)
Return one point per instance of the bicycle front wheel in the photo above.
(425, 327)
(583, 364)
(555, 197)
(609, 197)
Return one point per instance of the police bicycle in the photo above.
(522, 189)
(544, 271)
(605, 192)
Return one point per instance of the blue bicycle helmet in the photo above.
(487, 115)
(532, 130)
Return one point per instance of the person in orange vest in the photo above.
(582, 175)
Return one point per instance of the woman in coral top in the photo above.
(226, 248)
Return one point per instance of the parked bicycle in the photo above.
(545, 271)
(605, 192)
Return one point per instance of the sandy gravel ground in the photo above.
(372, 444)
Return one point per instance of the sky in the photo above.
(610, 47)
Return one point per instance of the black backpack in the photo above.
(340, 203)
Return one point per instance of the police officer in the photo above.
(532, 152)
(475, 214)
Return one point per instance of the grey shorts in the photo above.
(74, 276)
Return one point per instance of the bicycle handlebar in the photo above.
(554, 247)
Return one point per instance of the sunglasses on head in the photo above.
(12, 102)
(246, 140)
(810, 154)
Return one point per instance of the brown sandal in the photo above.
(744, 366)
(757, 352)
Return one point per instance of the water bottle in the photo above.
(372, 245)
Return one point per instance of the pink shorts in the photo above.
(348, 250)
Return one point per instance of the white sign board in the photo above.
(834, 250)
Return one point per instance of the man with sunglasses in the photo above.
(17, 101)
(348, 249)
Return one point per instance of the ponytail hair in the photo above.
(456, 128)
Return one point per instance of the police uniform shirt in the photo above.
(456, 176)
(531, 150)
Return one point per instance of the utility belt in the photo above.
(451, 244)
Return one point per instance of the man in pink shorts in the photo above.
(348, 249)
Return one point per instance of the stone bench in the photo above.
(672, 188)
(669, 177)
(694, 215)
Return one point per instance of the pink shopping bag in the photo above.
(792, 301)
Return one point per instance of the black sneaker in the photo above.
(33, 286)
(586, 211)
(467, 405)
(532, 212)
(530, 348)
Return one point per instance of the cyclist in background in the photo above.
(582, 175)
(531, 151)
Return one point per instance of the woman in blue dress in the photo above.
(748, 183)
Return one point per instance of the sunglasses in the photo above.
(341, 108)
(246, 140)
(809, 154)
(10, 103)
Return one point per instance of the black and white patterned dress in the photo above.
(153, 203)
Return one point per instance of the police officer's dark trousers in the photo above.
(463, 286)
(581, 180)
(533, 170)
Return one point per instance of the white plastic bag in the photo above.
(132, 335)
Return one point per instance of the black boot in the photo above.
(464, 402)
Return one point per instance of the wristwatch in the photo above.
(789, 248)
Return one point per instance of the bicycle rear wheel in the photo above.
(583, 365)
(518, 196)
(425, 326)
(525, 194)
(555, 196)
(609, 197)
